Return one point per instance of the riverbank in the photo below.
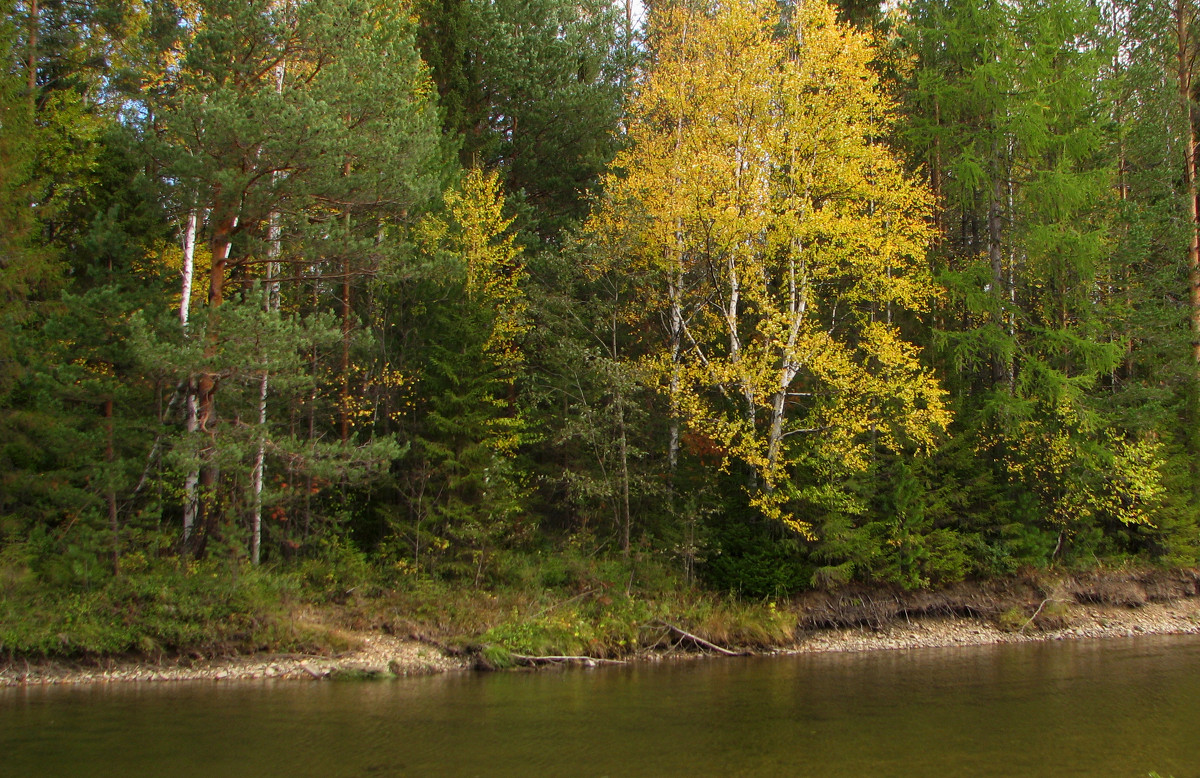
(1083, 622)
(1031, 608)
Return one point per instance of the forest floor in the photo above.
(1035, 607)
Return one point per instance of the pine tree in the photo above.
(1009, 113)
(531, 88)
(306, 131)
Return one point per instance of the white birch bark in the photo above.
(190, 501)
(271, 303)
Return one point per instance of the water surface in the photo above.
(1089, 708)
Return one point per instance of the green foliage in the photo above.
(597, 628)
(205, 608)
(751, 557)
(510, 404)
(334, 570)
(538, 100)
(1012, 619)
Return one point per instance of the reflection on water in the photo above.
(1092, 708)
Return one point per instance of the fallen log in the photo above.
(581, 659)
(683, 633)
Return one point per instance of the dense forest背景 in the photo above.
(304, 300)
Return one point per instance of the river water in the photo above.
(1088, 708)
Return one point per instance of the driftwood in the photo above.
(587, 660)
(699, 640)
(306, 667)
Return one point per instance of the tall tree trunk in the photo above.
(31, 54)
(775, 434)
(789, 368)
(622, 440)
(191, 410)
(344, 416)
(111, 487)
(344, 396)
(935, 171)
(314, 366)
(675, 293)
(188, 271)
(222, 242)
(996, 258)
(270, 303)
(675, 336)
(1184, 81)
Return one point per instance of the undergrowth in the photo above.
(193, 608)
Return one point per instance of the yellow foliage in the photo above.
(477, 233)
(493, 263)
(1116, 477)
(783, 236)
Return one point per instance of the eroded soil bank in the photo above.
(1036, 606)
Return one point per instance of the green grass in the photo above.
(200, 609)
(574, 606)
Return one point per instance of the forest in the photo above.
(436, 301)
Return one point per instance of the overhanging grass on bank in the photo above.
(598, 607)
(193, 609)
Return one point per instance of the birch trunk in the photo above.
(222, 243)
(270, 303)
(675, 335)
(190, 503)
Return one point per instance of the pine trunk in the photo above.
(1184, 77)
(996, 258)
(31, 55)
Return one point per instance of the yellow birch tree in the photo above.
(786, 240)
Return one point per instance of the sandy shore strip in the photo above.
(381, 656)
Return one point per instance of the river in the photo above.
(1087, 708)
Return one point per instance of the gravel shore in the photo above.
(377, 655)
(380, 655)
(1081, 622)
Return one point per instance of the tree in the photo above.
(307, 133)
(463, 486)
(530, 88)
(1008, 109)
(790, 241)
